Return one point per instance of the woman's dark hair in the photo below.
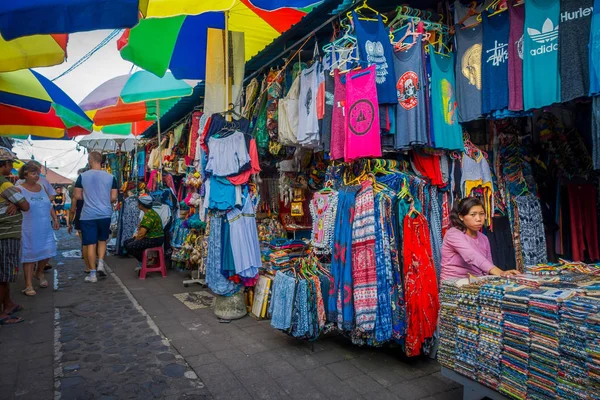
(462, 208)
(27, 168)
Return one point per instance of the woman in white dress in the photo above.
(37, 241)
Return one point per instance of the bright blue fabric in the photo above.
(282, 303)
(541, 80)
(494, 62)
(448, 132)
(30, 17)
(222, 194)
(341, 263)
(186, 64)
(214, 279)
(595, 51)
(383, 320)
(271, 5)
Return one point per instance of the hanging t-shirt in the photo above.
(327, 115)
(288, 115)
(308, 124)
(448, 132)
(374, 47)
(541, 82)
(594, 48)
(338, 118)
(363, 137)
(495, 62)
(468, 72)
(411, 112)
(573, 52)
(428, 103)
(515, 57)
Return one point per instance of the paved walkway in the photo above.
(124, 338)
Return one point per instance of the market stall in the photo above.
(323, 190)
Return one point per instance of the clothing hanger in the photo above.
(499, 6)
(470, 13)
(360, 16)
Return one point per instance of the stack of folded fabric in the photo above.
(468, 330)
(572, 376)
(515, 356)
(489, 348)
(536, 281)
(592, 347)
(544, 361)
(446, 354)
(283, 251)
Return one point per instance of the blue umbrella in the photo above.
(20, 18)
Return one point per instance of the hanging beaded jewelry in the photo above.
(322, 210)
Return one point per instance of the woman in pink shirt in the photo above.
(466, 250)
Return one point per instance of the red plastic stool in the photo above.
(162, 268)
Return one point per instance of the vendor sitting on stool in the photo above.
(466, 250)
(149, 233)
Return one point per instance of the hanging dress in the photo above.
(338, 119)
(37, 240)
(420, 283)
(362, 116)
(340, 307)
(364, 271)
(244, 240)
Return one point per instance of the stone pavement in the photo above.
(124, 338)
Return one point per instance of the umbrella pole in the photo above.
(226, 60)
(158, 126)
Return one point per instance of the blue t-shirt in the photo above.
(374, 47)
(595, 51)
(411, 110)
(447, 130)
(541, 81)
(496, 31)
(97, 186)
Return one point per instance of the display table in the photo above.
(472, 390)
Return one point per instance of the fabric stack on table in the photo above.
(448, 324)
(283, 251)
(489, 349)
(544, 319)
(515, 358)
(592, 347)
(572, 376)
(468, 330)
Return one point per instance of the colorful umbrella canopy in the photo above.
(20, 18)
(163, 8)
(30, 104)
(178, 43)
(17, 164)
(103, 142)
(133, 98)
(32, 52)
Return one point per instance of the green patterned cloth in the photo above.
(153, 224)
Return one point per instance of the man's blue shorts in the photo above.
(94, 230)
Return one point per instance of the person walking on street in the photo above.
(12, 204)
(98, 190)
(73, 222)
(37, 242)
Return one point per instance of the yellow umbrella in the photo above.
(32, 52)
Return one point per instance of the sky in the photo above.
(106, 63)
